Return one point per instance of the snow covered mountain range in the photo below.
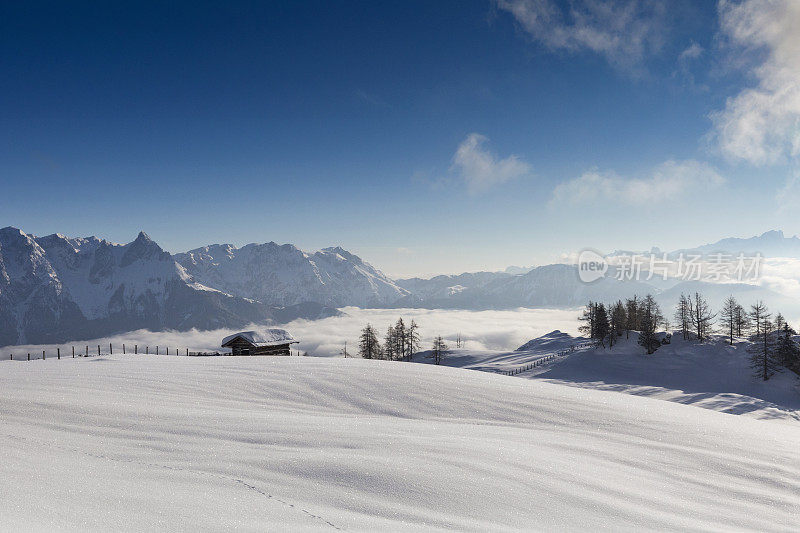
(56, 288)
(284, 275)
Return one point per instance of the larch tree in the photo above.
(683, 316)
(589, 319)
(763, 357)
(649, 321)
(728, 317)
(756, 316)
(401, 338)
(439, 350)
(632, 315)
(701, 316)
(412, 338)
(617, 322)
(390, 344)
(742, 321)
(368, 345)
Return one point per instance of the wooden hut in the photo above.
(271, 341)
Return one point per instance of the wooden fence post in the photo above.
(187, 352)
(123, 349)
(29, 357)
(87, 351)
(156, 350)
(73, 352)
(58, 351)
(42, 355)
(110, 349)
(12, 356)
(98, 350)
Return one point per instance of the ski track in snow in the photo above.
(13, 439)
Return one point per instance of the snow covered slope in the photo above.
(284, 275)
(167, 443)
(712, 375)
(55, 288)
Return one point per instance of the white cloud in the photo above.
(481, 169)
(493, 330)
(623, 31)
(693, 51)
(668, 181)
(761, 124)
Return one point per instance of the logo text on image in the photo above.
(591, 266)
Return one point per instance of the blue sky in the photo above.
(427, 137)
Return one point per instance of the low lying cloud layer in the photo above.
(492, 330)
(667, 181)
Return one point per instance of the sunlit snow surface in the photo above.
(168, 443)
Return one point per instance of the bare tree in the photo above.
(683, 316)
(701, 316)
(728, 317)
(742, 321)
(756, 315)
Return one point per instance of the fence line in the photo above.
(186, 352)
(546, 359)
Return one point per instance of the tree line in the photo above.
(400, 343)
(772, 341)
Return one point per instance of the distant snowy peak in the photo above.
(285, 275)
(769, 244)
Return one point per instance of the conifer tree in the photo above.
(617, 322)
(601, 325)
(787, 352)
(632, 315)
(401, 338)
(390, 344)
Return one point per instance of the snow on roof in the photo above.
(266, 337)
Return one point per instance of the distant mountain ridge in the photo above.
(55, 288)
(769, 244)
(285, 275)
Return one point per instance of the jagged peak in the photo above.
(143, 237)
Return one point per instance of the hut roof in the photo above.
(266, 337)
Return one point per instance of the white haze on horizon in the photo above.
(481, 330)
